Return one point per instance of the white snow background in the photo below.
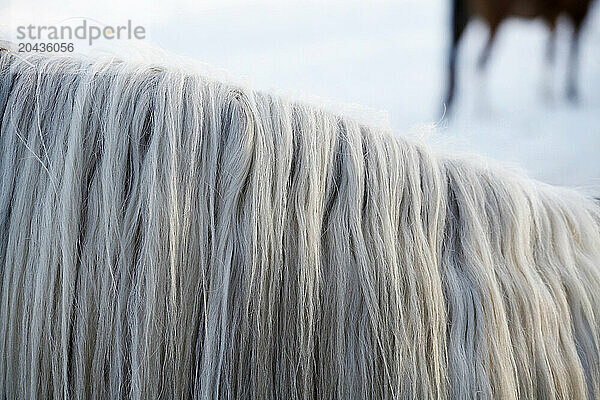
(388, 56)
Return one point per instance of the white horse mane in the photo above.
(165, 235)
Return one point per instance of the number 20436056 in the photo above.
(46, 47)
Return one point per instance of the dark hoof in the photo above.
(572, 95)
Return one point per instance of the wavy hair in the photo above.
(167, 235)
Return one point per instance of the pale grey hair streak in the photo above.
(166, 235)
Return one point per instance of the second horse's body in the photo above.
(494, 12)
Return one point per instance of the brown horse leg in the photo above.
(551, 44)
(550, 58)
(483, 103)
(572, 89)
(485, 53)
(460, 19)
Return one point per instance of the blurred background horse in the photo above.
(494, 12)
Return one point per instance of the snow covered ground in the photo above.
(387, 55)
